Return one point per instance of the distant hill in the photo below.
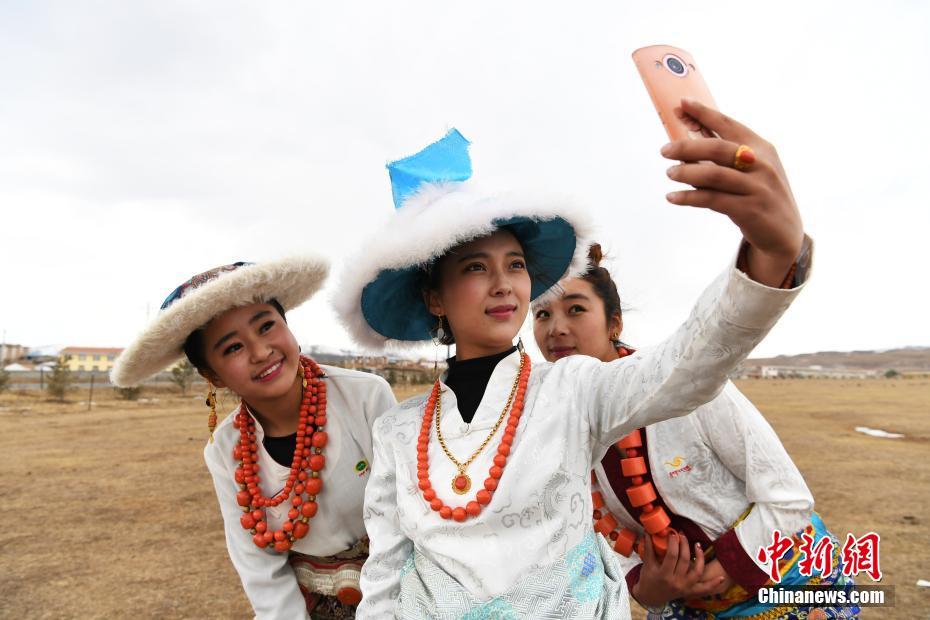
(906, 359)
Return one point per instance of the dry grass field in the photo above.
(110, 513)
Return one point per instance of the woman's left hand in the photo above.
(757, 198)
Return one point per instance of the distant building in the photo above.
(816, 371)
(11, 352)
(43, 353)
(410, 373)
(86, 359)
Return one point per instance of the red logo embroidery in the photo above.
(676, 466)
(681, 470)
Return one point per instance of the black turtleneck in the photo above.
(469, 378)
(281, 449)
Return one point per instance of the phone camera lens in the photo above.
(675, 65)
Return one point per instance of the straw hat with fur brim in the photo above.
(290, 281)
(380, 296)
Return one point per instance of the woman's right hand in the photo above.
(675, 576)
(757, 198)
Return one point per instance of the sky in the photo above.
(143, 142)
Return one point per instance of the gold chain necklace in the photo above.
(462, 482)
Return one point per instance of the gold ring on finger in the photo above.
(744, 159)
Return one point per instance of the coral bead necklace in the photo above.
(461, 483)
(642, 494)
(304, 478)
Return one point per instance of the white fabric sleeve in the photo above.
(378, 399)
(388, 548)
(686, 370)
(747, 446)
(381, 401)
(268, 580)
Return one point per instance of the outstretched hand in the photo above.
(757, 199)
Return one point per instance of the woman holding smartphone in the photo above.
(722, 468)
(479, 502)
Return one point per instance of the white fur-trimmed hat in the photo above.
(379, 297)
(290, 281)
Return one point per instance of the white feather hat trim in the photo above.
(291, 281)
(432, 221)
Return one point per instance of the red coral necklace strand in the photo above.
(304, 480)
(642, 494)
(461, 483)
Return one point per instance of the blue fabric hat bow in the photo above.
(390, 306)
(442, 161)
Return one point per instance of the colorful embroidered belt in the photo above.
(330, 584)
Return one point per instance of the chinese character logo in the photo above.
(819, 556)
(860, 555)
(774, 552)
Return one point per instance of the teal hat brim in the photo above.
(393, 306)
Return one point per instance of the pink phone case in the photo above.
(669, 74)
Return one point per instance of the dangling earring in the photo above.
(440, 332)
(211, 403)
(520, 344)
(622, 348)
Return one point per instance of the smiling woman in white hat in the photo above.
(479, 504)
(290, 463)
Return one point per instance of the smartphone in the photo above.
(669, 74)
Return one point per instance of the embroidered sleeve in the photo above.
(686, 370)
(267, 578)
(746, 445)
(389, 548)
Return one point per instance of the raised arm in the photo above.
(686, 370)
(741, 176)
